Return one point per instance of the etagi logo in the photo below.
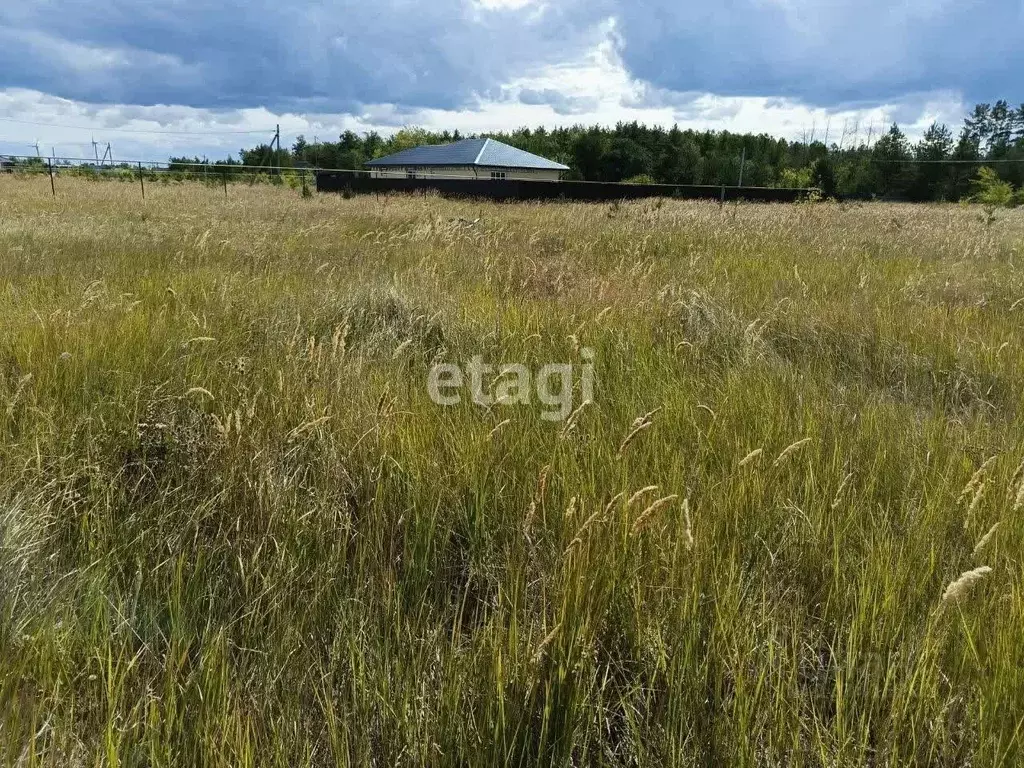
(514, 384)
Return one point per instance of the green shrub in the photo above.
(796, 178)
(991, 193)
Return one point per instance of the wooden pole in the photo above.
(277, 157)
(142, 181)
(53, 189)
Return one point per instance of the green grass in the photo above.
(234, 529)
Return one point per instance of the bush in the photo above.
(796, 178)
(990, 190)
(991, 193)
(642, 178)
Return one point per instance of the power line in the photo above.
(133, 130)
(950, 161)
(62, 163)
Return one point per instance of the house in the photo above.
(466, 159)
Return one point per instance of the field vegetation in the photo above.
(235, 530)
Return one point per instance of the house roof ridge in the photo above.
(489, 152)
(481, 152)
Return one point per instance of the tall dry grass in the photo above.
(234, 530)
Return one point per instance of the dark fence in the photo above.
(510, 189)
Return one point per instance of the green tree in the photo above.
(680, 160)
(626, 158)
(855, 169)
(931, 174)
(588, 151)
(824, 176)
(890, 155)
(796, 178)
(350, 151)
(409, 137)
(991, 193)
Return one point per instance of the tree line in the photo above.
(941, 165)
(863, 164)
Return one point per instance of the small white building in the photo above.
(466, 159)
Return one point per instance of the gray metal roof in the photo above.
(480, 152)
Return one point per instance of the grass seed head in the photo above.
(644, 518)
(751, 457)
(573, 507)
(615, 499)
(542, 482)
(1018, 502)
(790, 450)
(979, 492)
(632, 436)
(842, 487)
(975, 481)
(578, 539)
(531, 513)
(986, 539)
(640, 494)
(688, 531)
(200, 391)
(497, 428)
(548, 639)
(1018, 476)
(401, 348)
(571, 422)
(646, 418)
(960, 587)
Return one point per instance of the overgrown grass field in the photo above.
(235, 529)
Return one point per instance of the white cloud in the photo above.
(595, 89)
(505, 5)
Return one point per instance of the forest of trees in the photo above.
(861, 164)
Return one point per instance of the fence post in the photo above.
(142, 181)
(49, 166)
(225, 176)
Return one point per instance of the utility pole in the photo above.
(95, 150)
(37, 148)
(277, 157)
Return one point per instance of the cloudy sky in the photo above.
(156, 77)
